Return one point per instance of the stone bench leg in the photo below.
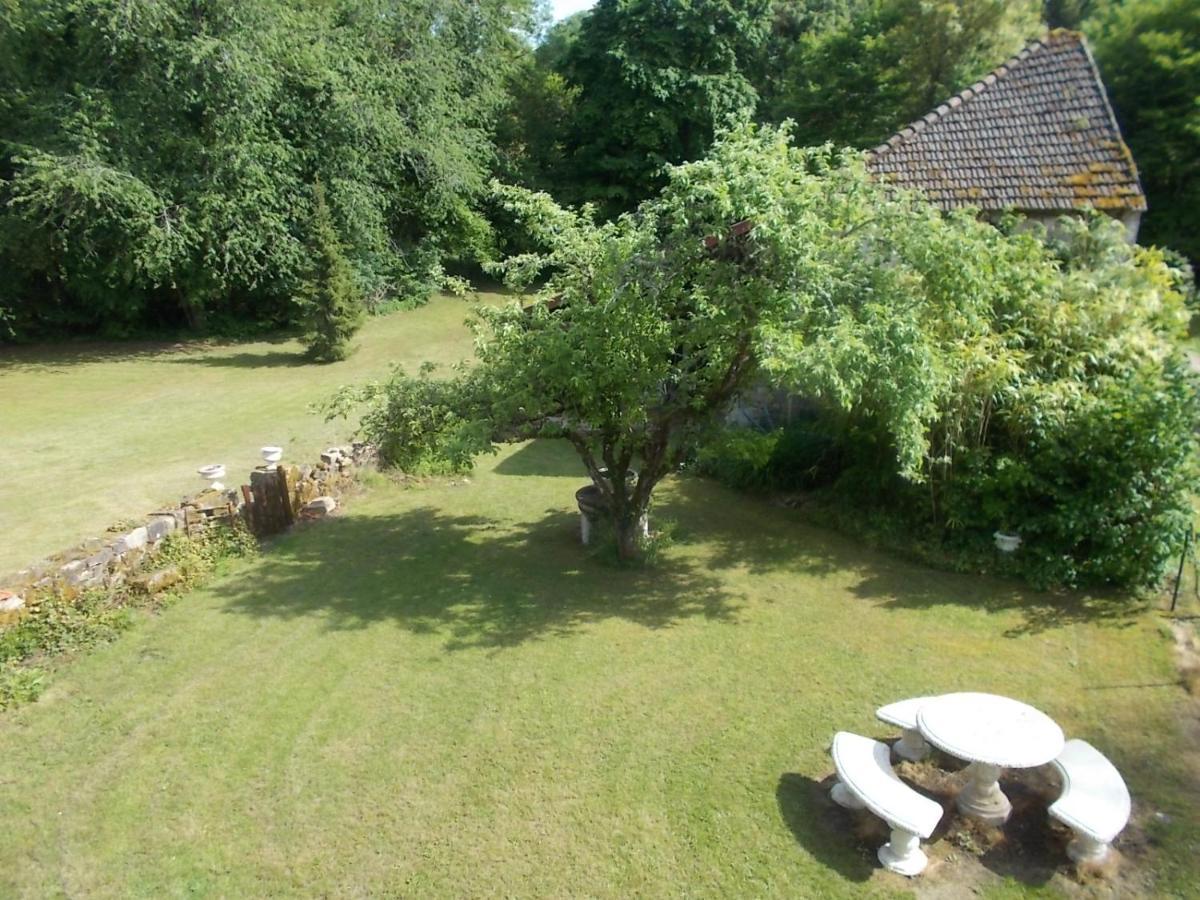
(842, 797)
(912, 745)
(903, 853)
(1085, 850)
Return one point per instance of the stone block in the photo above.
(160, 526)
(321, 506)
(135, 540)
(74, 572)
(101, 559)
(10, 602)
(159, 580)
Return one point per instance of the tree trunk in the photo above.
(629, 538)
(193, 313)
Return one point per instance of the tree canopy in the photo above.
(155, 158)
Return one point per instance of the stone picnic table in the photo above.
(992, 733)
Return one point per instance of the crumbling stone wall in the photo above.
(305, 491)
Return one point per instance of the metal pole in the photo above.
(1187, 542)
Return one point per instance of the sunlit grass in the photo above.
(95, 433)
(440, 694)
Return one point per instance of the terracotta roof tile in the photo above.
(1037, 133)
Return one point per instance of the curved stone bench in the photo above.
(866, 779)
(1094, 803)
(903, 714)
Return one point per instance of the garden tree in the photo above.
(155, 157)
(864, 68)
(332, 307)
(758, 259)
(655, 81)
(830, 74)
(969, 364)
(945, 45)
(1149, 54)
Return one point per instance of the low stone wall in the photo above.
(295, 492)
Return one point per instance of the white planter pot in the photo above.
(1006, 542)
(213, 475)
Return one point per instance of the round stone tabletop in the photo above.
(990, 729)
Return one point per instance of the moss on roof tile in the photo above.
(1037, 129)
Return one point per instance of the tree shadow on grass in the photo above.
(481, 582)
(822, 828)
(545, 458)
(63, 356)
(270, 359)
(910, 586)
(764, 539)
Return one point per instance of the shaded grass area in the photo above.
(96, 432)
(440, 694)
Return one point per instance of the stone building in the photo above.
(1036, 136)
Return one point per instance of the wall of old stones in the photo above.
(274, 499)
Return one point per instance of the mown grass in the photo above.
(439, 694)
(94, 433)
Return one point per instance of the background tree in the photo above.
(860, 69)
(655, 81)
(1149, 54)
(332, 307)
(155, 157)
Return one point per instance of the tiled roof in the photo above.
(1035, 134)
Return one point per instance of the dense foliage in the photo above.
(155, 157)
(613, 95)
(655, 81)
(871, 66)
(1069, 417)
(1149, 52)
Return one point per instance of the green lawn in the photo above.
(97, 433)
(439, 694)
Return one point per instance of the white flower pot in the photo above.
(213, 475)
(1006, 542)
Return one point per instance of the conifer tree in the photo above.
(333, 310)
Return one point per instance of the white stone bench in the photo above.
(1094, 803)
(903, 714)
(866, 779)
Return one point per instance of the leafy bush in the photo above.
(805, 456)
(739, 458)
(1064, 411)
(1100, 497)
(421, 425)
(800, 456)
